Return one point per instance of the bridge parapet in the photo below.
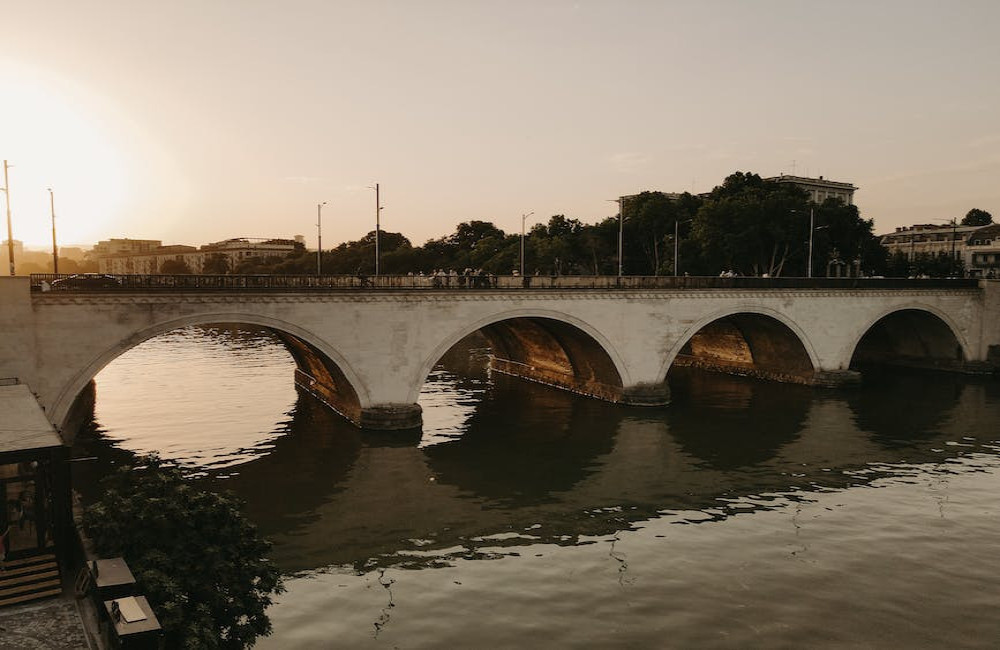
(366, 346)
(473, 282)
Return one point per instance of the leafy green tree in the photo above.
(216, 264)
(752, 226)
(200, 563)
(977, 217)
(175, 267)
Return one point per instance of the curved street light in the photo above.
(621, 229)
(55, 250)
(523, 217)
(319, 238)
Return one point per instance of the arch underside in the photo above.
(752, 345)
(910, 338)
(315, 372)
(322, 378)
(555, 353)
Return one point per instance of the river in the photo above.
(745, 514)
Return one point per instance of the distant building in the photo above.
(931, 239)
(820, 189)
(18, 253)
(75, 253)
(149, 260)
(108, 247)
(982, 252)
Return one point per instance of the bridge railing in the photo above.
(95, 282)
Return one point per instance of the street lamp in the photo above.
(10, 232)
(319, 238)
(620, 201)
(378, 214)
(677, 240)
(809, 269)
(523, 217)
(55, 250)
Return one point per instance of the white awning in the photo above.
(23, 424)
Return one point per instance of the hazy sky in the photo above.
(193, 121)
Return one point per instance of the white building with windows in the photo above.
(820, 189)
(126, 258)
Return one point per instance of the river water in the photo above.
(746, 514)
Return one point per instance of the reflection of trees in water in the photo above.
(732, 422)
(304, 469)
(533, 464)
(904, 407)
(524, 443)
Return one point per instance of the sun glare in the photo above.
(56, 138)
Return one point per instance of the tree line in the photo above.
(745, 226)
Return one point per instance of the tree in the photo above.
(977, 217)
(216, 263)
(175, 267)
(200, 563)
(753, 226)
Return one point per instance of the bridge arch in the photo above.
(546, 346)
(748, 340)
(912, 335)
(310, 353)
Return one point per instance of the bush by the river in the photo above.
(201, 564)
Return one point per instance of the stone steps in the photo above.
(30, 578)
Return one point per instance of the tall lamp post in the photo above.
(621, 229)
(319, 238)
(523, 218)
(809, 263)
(809, 271)
(954, 232)
(677, 239)
(378, 215)
(55, 250)
(10, 232)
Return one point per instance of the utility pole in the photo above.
(621, 231)
(10, 232)
(378, 215)
(809, 271)
(523, 217)
(620, 201)
(954, 229)
(319, 238)
(55, 250)
(677, 247)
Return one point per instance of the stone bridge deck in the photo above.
(365, 345)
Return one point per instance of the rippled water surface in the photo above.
(746, 514)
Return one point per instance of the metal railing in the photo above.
(47, 281)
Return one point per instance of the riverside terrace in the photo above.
(364, 346)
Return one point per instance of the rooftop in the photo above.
(24, 425)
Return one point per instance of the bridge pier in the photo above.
(648, 394)
(391, 417)
(836, 378)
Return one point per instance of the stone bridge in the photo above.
(366, 350)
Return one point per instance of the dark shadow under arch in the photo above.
(911, 338)
(555, 353)
(754, 345)
(315, 372)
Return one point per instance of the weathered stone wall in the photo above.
(381, 344)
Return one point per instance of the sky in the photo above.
(192, 121)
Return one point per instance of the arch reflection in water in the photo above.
(528, 463)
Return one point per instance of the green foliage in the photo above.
(747, 224)
(977, 217)
(200, 563)
(175, 267)
(216, 264)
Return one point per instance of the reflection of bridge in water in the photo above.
(366, 350)
(542, 467)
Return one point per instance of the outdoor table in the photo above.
(112, 578)
(138, 635)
